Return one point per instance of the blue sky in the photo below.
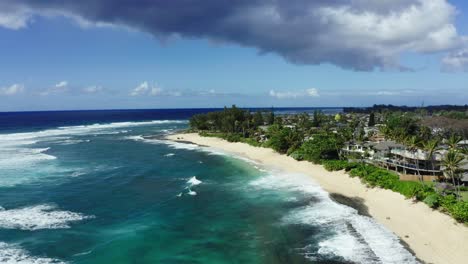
(66, 60)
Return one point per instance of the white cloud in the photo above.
(61, 85)
(93, 89)
(57, 88)
(312, 92)
(12, 90)
(152, 90)
(156, 91)
(14, 17)
(456, 61)
(140, 89)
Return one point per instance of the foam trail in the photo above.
(190, 146)
(12, 254)
(194, 181)
(13, 157)
(32, 137)
(17, 155)
(169, 155)
(38, 217)
(190, 192)
(353, 237)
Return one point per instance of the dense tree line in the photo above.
(393, 108)
(284, 134)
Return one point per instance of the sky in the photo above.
(120, 54)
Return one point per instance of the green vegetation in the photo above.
(319, 139)
(377, 177)
(337, 165)
(320, 147)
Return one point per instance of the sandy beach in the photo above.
(433, 236)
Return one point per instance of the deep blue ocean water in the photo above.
(90, 187)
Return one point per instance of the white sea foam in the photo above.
(32, 137)
(12, 254)
(355, 238)
(17, 154)
(194, 181)
(11, 157)
(73, 141)
(190, 192)
(77, 173)
(180, 145)
(38, 217)
(169, 155)
(190, 146)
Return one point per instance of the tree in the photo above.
(320, 147)
(371, 122)
(414, 143)
(258, 119)
(270, 118)
(361, 134)
(452, 163)
(317, 118)
(304, 122)
(283, 139)
(338, 117)
(199, 122)
(385, 131)
(431, 147)
(453, 141)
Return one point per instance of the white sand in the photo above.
(433, 236)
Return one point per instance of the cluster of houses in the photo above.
(410, 165)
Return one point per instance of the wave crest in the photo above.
(38, 217)
(15, 255)
(353, 237)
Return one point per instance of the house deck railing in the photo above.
(405, 165)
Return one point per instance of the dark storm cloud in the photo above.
(353, 34)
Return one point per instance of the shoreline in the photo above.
(432, 236)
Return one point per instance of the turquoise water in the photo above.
(104, 194)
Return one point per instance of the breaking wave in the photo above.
(38, 217)
(353, 237)
(12, 254)
(194, 181)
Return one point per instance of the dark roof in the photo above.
(385, 145)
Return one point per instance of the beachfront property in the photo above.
(410, 164)
(394, 156)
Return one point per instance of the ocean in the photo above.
(91, 187)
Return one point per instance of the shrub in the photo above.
(336, 165)
(407, 189)
(447, 201)
(459, 211)
(233, 137)
(251, 142)
(297, 155)
(432, 200)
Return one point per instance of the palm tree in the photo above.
(385, 131)
(453, 141)
(464, 150)
(414, 143)
(431, 147)
(452, 163)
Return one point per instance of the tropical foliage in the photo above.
(310, 138)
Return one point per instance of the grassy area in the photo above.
(464, 196)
